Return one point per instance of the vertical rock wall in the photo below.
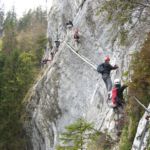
(70, 88)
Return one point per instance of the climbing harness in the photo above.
(83, 58)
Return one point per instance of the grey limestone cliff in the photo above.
(70, 88)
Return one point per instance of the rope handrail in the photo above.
(83, 58)
(87, 59)
(138, 101)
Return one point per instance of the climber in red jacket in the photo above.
(117, 94)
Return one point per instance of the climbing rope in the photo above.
(138, 101)
(81, 57)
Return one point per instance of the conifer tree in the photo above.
(10, 31)
(78, 135)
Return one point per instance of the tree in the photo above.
(122, 14)
(24, 44)
(77, 135)
(1, 18)
(32, 32)
(10, 27)
(141, 72)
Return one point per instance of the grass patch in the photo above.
(140, 87)
(103, 142)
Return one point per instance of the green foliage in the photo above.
(140, 87)
(148, 147)
(17, 75)
(32, 18)
(123, 36)
(118, 10)
(32, 32)
(1, 18)
(41, 46)
(22, 48)
(9, 104)
(120, 13)
(0, 44)
(141, 67)
(125, 144)
(10, 31)
(103, 142)
(125, 74)
(77, 135)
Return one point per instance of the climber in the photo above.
(147, 117)
(52, 55)
(54, 50)
(82, 4)
(76, 36)
(69, 24)
(117, 94)
(105, 69)
(44, 61)
(57, 43)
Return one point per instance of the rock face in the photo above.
(70, 88)
(142, 137)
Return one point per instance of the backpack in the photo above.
(100, 68)
(114, 95)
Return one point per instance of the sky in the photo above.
(24, 5)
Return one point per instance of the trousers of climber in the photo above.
(105, 69)
(117, 94)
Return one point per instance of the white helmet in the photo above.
(117, 81)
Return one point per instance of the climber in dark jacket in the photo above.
(69, 24)
(44, 61)
(105, 69)
(57, 43)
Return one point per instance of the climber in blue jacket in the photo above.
(105, 69)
